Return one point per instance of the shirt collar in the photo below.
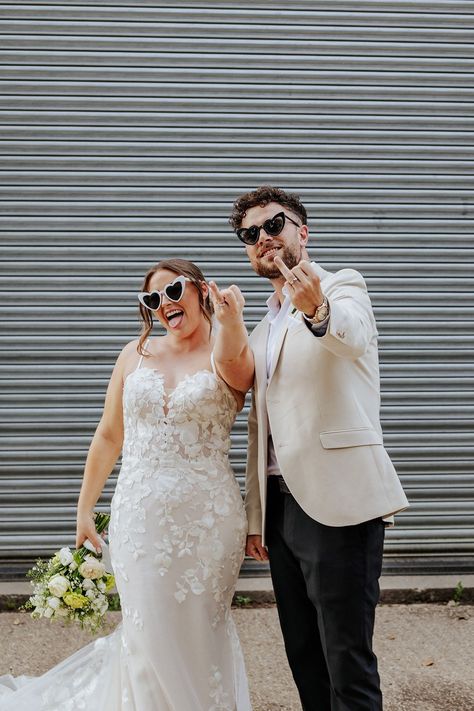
(274, 307)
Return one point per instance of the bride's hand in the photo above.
(86, 529)
(228, 303)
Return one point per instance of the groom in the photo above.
(319, 481)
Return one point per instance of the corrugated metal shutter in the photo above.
(127, 131)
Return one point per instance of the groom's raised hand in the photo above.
(255, 549)
(304, 286)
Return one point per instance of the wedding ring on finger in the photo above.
(295, 278)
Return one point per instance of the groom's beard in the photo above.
(271, 271)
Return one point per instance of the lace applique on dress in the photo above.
(177, 536)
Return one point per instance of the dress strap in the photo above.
(213, 364)
(141, 357)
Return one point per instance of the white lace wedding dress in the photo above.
(177, 537)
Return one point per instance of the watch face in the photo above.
(322, 312)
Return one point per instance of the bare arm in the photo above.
(103, 453)
(232, 353)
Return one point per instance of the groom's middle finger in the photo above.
(280, 264)
(300, 274)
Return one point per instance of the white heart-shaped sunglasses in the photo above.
(173, 291)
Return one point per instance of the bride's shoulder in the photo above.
(128, 354)
(131, 346)
(128, 359)
(131, 353)
(129, 350)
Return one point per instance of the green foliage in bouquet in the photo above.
(72, 585)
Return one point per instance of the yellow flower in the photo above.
(109, 582)
(75, 600)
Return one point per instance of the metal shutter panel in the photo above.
(127, 131)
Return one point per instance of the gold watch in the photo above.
(321, 314)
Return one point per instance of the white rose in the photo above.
(53, 602)
(100, 604)
(90, 594)
(101, 585)
(92, 568)
(103, 607)
(49, 612)
(88, 584)
(65, 556)
(58, 585)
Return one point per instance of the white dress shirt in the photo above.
(276, 317)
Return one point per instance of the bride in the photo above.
(178, 528)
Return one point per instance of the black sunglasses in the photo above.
(173, 291)
(273, 226)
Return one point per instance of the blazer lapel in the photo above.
(278, 347)
(293, 312)
(259, 347)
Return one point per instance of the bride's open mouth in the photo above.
(174, 317)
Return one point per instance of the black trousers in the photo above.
(326, 587)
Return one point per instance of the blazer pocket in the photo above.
(356, 437)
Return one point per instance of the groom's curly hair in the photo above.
(262, 196)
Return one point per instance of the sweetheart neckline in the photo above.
(162, 377)
(169, 392)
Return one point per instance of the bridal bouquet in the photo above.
(72, 585)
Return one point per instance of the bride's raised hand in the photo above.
(232, 354)
(228, 303)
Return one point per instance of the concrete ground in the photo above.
(426, 654)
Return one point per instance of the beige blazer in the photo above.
(322, 401)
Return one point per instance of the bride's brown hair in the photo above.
(181, 267)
